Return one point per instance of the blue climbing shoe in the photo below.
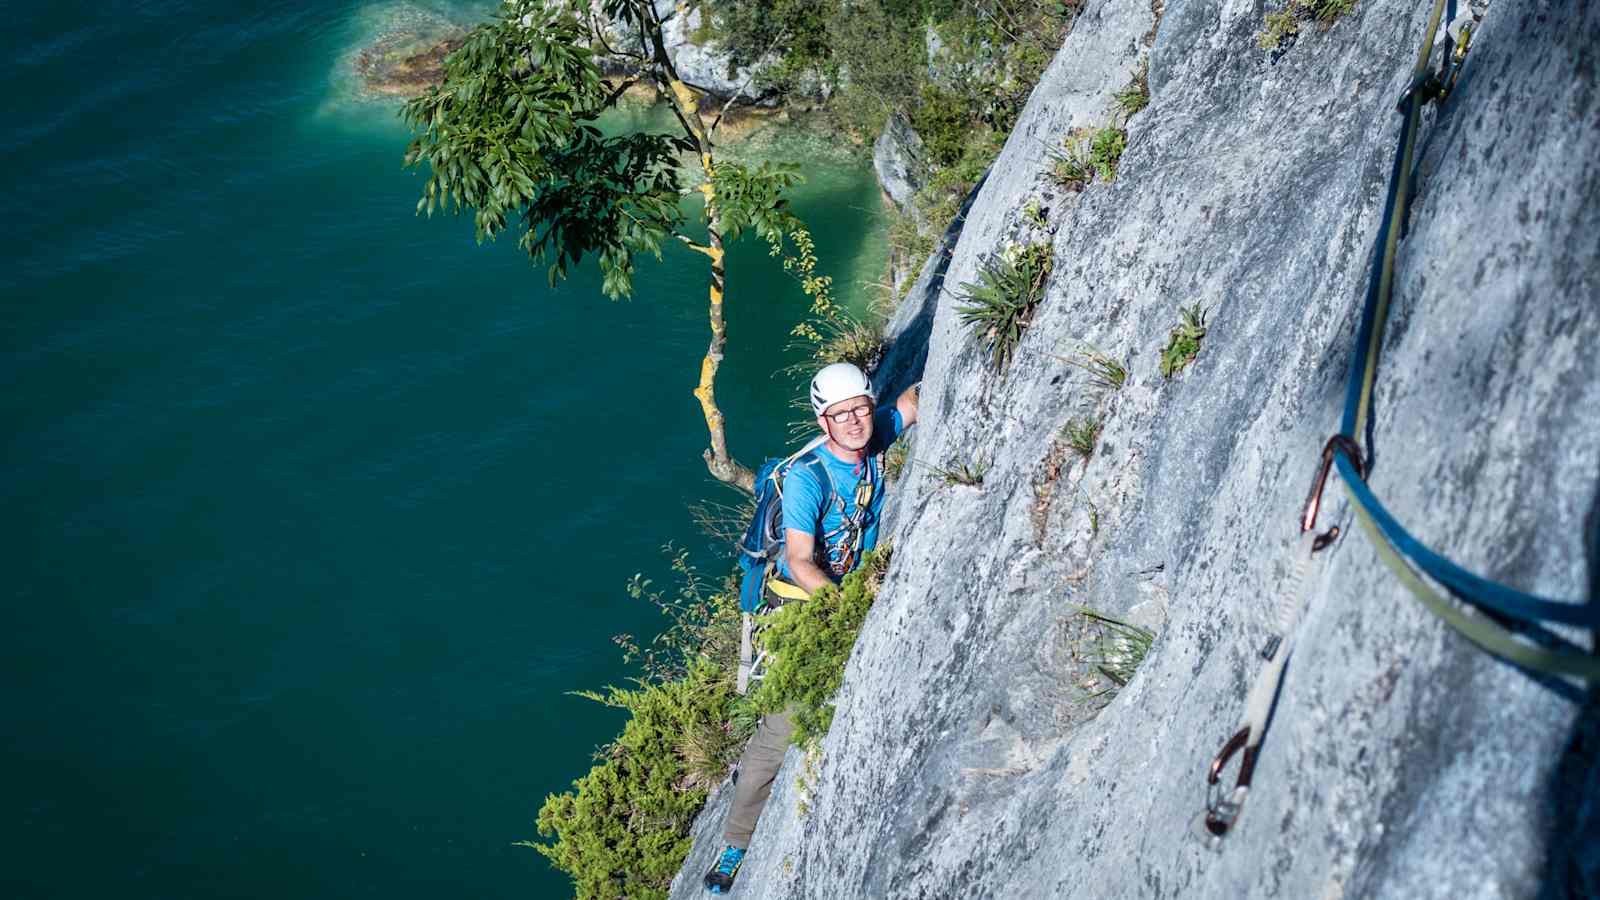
(720, 879)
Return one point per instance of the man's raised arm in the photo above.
(906, 404)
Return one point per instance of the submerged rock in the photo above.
(970, 756)
(405, 64)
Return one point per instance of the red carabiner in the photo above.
(1308, 517)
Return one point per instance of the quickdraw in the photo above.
(1549, 658)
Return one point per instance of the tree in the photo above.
(510, 134)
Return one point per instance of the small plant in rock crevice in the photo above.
(1105, 151)
(1280, 28)
(1087, 154)
(1136, 96)
(999, 306)
(961, 473)
(1183, 342)
(1107, 373)
(1110, 648)
(896, 458)
(1035, 214)
(1082, 436)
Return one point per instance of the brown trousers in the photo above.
(759, 765)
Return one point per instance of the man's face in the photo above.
(855, 431)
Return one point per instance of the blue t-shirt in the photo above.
(808, 504)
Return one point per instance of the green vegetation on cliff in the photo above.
(623, 829)
(810, 642)
(958, 70)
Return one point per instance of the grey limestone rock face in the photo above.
(965, 759)
(898, 161)
(697, 63)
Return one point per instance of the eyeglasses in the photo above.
(864, 411)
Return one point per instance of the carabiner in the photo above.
(1308, 516)
(1222, 806)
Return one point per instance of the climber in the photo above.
(827, 528)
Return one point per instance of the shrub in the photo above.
(809, 643)
(1000, 304)
(623, 829)
(944, 123)
(939, 201)
(1183, 343)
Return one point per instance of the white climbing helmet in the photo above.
(839, 381)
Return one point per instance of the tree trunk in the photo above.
(719, 463)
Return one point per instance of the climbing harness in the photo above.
(1497, 614)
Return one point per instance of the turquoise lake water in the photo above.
(316, 508)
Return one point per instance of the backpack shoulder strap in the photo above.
(819, 468)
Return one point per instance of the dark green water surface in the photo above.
(314, 509)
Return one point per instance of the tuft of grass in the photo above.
(1112, 648)
(1106, 372)
(1136, 96)
(1069, 166)
(896, 458)
(1087, 154)
(723, 522)
(708, 748)
(1280, 28)
(850, 340)
(1082, 436)
(968, 474)
(1000, 304)
(1183, 342)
